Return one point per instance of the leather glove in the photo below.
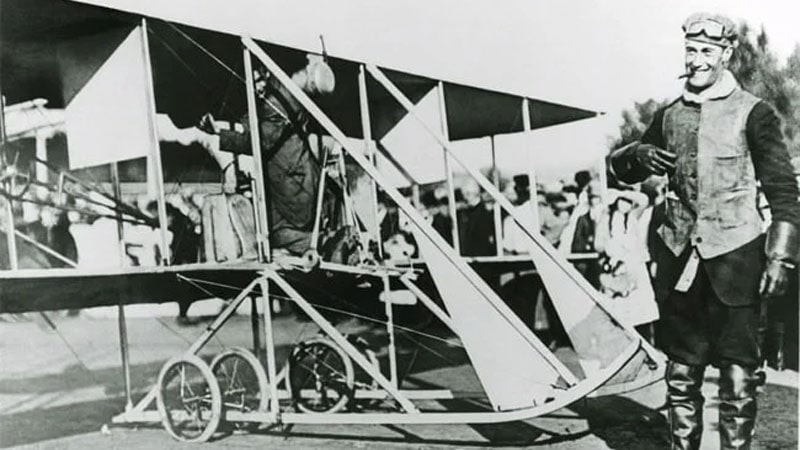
(781, 248)
(654, 159)
(775, 278)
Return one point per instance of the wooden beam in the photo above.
(414, 216)
(341, 341)
(530, 171)
(448, 171)
(260, 197)
(535, 237)
(155, 147)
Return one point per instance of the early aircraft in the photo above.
(116, 81)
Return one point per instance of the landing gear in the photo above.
(189, 399)
(242, 382)
(320, 377)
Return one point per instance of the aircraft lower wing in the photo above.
(51, 289)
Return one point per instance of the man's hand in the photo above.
(656, 160)
(775, 278)
(781, 247)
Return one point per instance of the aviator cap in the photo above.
(710, 28)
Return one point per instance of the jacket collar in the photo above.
(724, 87)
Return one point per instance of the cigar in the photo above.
(686, 74)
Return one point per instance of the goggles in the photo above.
(710, 28)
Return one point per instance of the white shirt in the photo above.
(514, 238)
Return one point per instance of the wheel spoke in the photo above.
(319, 368)
(189, 400)
(233, 376)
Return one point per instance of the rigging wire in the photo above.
(197, 283)
(171, 330)
(332, 309)
(180, 59)
(194, 73)
(97, 186)
(87, 212)
(227, 68)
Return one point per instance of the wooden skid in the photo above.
(583, 389)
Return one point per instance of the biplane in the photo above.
(99, 87)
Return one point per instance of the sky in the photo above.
(599, 55)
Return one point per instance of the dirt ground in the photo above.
(60, 389)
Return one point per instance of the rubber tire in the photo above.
(216, 398)
(349, 376)
(255, 364)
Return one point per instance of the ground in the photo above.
(60, 388)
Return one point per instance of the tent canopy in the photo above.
(51, 47)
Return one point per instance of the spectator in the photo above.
(553, 216)
(438, 213)
(475, 223)
(624, 276)
(585, 231)
(515, 240)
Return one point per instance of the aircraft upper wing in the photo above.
(32, 30)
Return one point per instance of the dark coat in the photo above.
(476, 230)
(290, 168)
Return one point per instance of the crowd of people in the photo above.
(599, 226)
(84, 232)
(606, 232)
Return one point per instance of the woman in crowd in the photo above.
(624, 277)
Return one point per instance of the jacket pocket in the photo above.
(728, 172)
(733, 208)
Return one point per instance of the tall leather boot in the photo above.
(685, 401)
(737, 407)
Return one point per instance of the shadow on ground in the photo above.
(623, 423)
(38, 425)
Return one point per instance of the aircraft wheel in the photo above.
(189, 399)
(242, 382)
(320, 377)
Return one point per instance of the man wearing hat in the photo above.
(290, 168)
(715, 143)
(516, 241)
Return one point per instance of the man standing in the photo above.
(716, 143)
(515, 240)
(476, 223)
(583, 238)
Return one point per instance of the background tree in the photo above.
(635, 121)
(759, 71)
(791, 76)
